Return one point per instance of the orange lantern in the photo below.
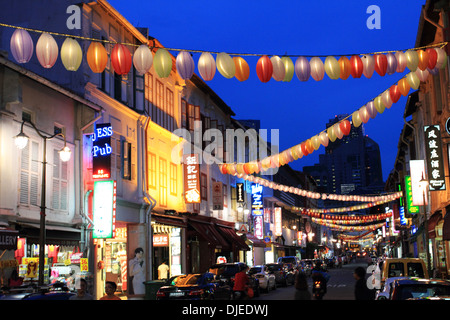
(242, 69)
(344, 63)
(423, 59)
(403, 86)
(97, 57)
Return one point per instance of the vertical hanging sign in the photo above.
(191, 178)
(409, 202)
(218, 195)
(101, 151)
(240, 198)
(435, 166)
(104, 209)
(277, 219)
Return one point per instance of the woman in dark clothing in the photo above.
(362, 292)
(301, 286)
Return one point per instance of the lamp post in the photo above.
(21, 141)
(424, 183)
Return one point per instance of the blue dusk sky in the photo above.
(297, 28)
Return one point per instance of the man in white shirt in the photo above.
(163, 271)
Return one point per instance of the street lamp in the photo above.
(21, 141)
(424, 184)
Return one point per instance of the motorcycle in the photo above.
(319, 289)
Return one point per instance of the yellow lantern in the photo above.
(378, 102)
(162, 62)
(289, 69)
(331, 134)
(316, 142)
(71, 54)
(332, 68)
(225, 65)
(413, 80)
(97, 57)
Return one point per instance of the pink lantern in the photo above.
(302, 69)
(22, 46)
(143, 59)
(401, 61)
(386, 98)
(207, 66)
(47, 50)
(441, 58)
(121, 59)
(317, 68)
(279, 71)
(423, 75)
(264, 69)
(185, 65)
(368, 66)
(324, 138)
(364, 114)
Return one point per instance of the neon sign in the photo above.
(104, 209)
(257, 197)
(101, 151)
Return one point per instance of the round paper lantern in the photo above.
(71, 54)
(364, 114)
(394, 93)
(299, 151)
(401, 61)
(274, 161)
(422, 75)
(356, 119)
(278, 68)
(317, 69)
(432, 58)
(332, 68)
(47, 50)
(309, 146)
(423, 59)
(293, 151)
(386, 98)
(413, 80)
(121, 59)
(143, 59)
(302, 69)
(97, 57)
(391, 63)
(356, 66)
(324, 138)
(403, 86)
(304, 149)
(331, 134)
(207, 66)
(264, 69)
(378, 103)
(316, 142)
(441, 58)
(344, 64)
(345, 127)
(370, 106)
(289, 68)
(162, 62)
(412, 60)
(22, 46)
(380, 64)
(242, 69)
(225, 65)
(368, 66)
(185, 65)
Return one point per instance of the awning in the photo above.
(432, 222)
(446, 227)
(208, 232)
(255, 241)
(54, 235)
(230, 235)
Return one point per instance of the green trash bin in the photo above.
(152, 287)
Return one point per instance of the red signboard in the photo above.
(160, 240)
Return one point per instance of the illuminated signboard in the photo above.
(240, 197)
(417, 168)
(101, 151)
(191, 178)
(403, 220)
(217, 195)
(409, 205)
(104, 209)
(435, 164)
(259, 229)
(278, 231)
(161, 240)
(257, 197)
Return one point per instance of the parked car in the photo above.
(385, 292)
(289, 259)
(305, 267)
(279, 272)
(291, 272)
(198, 286)
(403, 267)
(322, 263)
(266, 280)
(57, 291)
(226, 271)
(419, 289)
(309, 263)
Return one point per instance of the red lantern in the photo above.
(394, 93)
(121, 59)
(304, 149)
(345, 127)
(432, 58)
(264, 69)
(380, 64)
(356, 67)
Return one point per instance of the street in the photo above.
(340, 286)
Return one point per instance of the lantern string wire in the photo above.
(434, 45)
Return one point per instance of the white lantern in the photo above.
(143, 59)
(47, 50)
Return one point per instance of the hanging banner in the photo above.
(417, 168)
(240, 192)
(104, 209)
(435, 166)
(408, 191)
(191, 178)
(217, 196)
(278, 231)
(259, 229)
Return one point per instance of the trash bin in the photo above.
(151, 288)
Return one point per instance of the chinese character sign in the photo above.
(409, 202)
(257, 196)
(191, 178)
(240, 198)
(433, 149)
(278, 226)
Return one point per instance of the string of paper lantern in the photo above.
(356, 238)
(348, 228)
(353, 219)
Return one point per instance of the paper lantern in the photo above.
(403, 87)
(364, 114)
(368, 66)
(316, 142)
(242, 69)
(302, 69)
(294, 153)
(394, 93)
(380, 64)
(225, 65)
(289, 68)
(378, 103)
(162, 63)
(71, 54)
(274, 161)
(47, 50)
(317, 69)
(356, 119)
(412, 60)
(324, 138)
(391, 63)
(309, 146)
(401, 61)
(331, 134)
(143, 59)
(422, 59)
(441, 58)
(22, 46)
(207, 66)
(332, 68)
(344, 64)
(97, 57)
(345, 127)
(264, 69)
(370, 106)
(422, 74)
(121, 59)
(278, 68)
(304, 149)
(337, 131)
(185, 65)
(386, 98)
(356, 66)
(432, 58)
(298, 148)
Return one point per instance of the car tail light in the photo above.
(160, 294)
(196, 292)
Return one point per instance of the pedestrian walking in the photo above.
(301, 287)
(163, 271)
(82, 293)
(110, 289)
(362, 292)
